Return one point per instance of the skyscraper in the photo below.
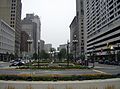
(10, 12)
(77, 31)
(32, 26)
(102, 22)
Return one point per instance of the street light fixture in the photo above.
(29, 49)
(75, 41)
(38, 52)
(118, 46)
(93, 56)
(68, 53)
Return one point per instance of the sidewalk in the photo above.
(87, 84)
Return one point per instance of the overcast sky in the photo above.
(55, 15)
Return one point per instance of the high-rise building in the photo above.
(7, 40)
(48, 47)
(42, 45)
(77, 31)
(10, 12)
(32, 26)
(74, 35)
(24, 43)
(62, 46)
(102, 21)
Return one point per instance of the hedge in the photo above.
(28, 77)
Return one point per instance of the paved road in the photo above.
(39, 72)
(109, 69)
(4, 64)
(99, 68)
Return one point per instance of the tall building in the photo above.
(10, 12)
(7, 39)
(103, 26)
(24, 43)
(48, 47)
(32, 26)
(62, 46)
(74, 35)
(77, 31)
(42, 45)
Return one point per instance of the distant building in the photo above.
(10, 12)
(24, 43)
(32, 26)
(63, 46)
(7, 39)
(42, 45)
(74, 31)
(48, 47)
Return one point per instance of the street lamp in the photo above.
(113, 49)
(68, 53)
(38, 52)
(29, 49)
(118, 46)
(75, 41)
(93, 56)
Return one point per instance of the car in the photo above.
(101, 62)
(106, 62)
(17, 63)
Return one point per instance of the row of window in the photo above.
(98, 22)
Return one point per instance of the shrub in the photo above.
(54, 77)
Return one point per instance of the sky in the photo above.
(55, 16)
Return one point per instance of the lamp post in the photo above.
(117, 55)
(75, 41)
(38, 52)
(93, 56)
(112, 49)
(29, 49)
(68, 53)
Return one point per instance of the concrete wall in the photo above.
(88, 84)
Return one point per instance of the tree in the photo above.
(35, 56)
(44, 55)
(52, 49)
(62, 54)
(11, 56)
(82, 56)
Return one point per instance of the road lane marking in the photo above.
(100, 71)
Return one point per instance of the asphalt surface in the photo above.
(99, 68)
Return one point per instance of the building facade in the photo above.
(77, 31)
(11, 14)
(74, 35)
(102, 22)
(62, 46)
(7, 39)
(24, 43)
(48, 47)
(32, 26)
(42, 45)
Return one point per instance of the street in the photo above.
(109, 69)
(4, 64)
(99, 68)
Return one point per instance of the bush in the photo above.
(27, 77)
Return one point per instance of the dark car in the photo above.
(17, 63)
(100, 61)
(106, 62)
